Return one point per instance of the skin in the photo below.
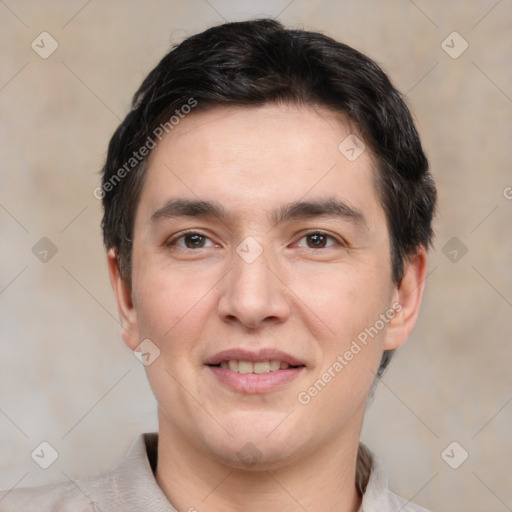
(305, 295)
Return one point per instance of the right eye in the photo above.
(190, 240)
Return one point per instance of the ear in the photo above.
(408, 294)
(123, 294)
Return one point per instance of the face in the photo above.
(260, 260)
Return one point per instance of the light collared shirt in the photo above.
(131, 487)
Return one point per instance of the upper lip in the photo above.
(264, 354)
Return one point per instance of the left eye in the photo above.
(191, 240)
(318, 240)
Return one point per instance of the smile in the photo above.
(258, 367)
(254, 377)
(254, 371)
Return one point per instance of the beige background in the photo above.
(66, 377)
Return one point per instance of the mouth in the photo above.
(255, 367)
(254, 372)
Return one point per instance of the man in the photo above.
(267, 212)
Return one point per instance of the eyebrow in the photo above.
(330, 207)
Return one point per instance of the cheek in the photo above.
(349, 348)
(343, 303)
(170, 313)
(168, 302)
(349, 345)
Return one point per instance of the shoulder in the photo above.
(61, 497)
(129, 486)
(373, 480)
(398, 503)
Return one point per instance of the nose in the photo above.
(254, 294)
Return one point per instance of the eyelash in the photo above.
(172, 241)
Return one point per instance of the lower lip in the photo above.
(255, 383)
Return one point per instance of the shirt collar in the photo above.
(132, 487)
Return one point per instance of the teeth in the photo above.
(261, 367)
(258, 368)
(245, 367)
(274, 365)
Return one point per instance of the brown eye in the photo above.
(318, 240)
(194, 241)
(191, 240)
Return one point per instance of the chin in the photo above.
(255, 457)
(255, 449)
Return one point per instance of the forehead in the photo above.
(255, 159)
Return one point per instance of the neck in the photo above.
(193, 479)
